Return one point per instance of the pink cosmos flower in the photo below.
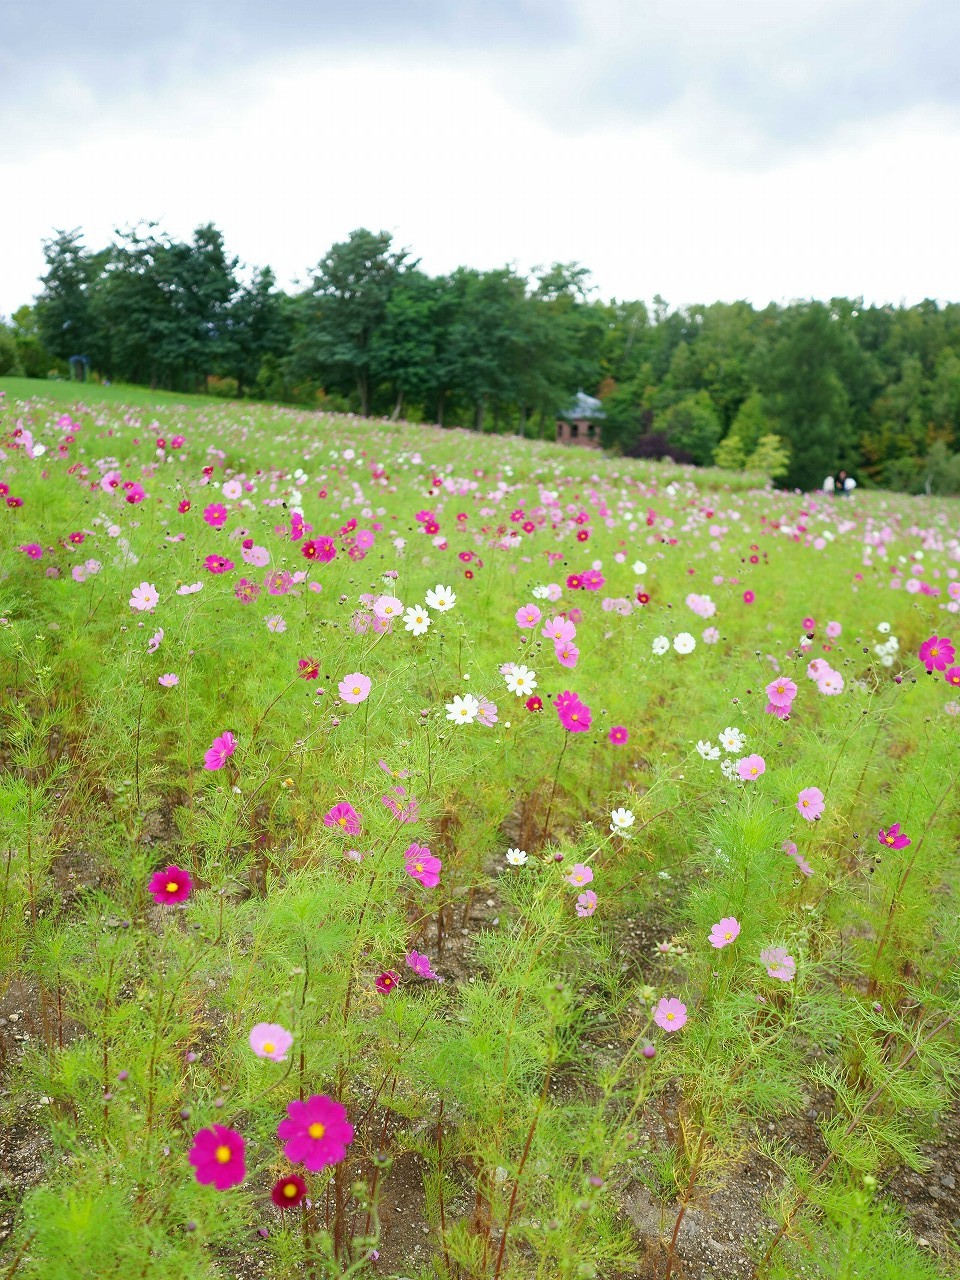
(170, 886)
(781, 712)
(407, 811)
(567, 654)
(153, 644)
(711, 635)
(559, 630)
(817, 668)
(528, 616)
(386, 981)
(246, 591)
(387, 608)
(781, 691)
(219, 751)
(270, 1040)
(326, 549)
(618, 735)
(33, 550)
(670, 1014)
(790, 849)
(778, 963)
(894, 838)
(169, 680)
(579, 874)
(316, 1133)
(751, 767)
(217, 1157)
(420, 863)
(144, 597)
(420, 965)
(344, 816)
(354, 688)
(830, 683)
(275, 624)
(259, 557)
(810, 803)
(112, 480)
(952, 676)
(937, 654)
(724, 932)
(487, 715)
(586, 903)
(833, 630)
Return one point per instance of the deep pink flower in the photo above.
(354, 688)
(748, 597)
(420, 863)
(308, 668)
(894, 838)
(751, 767)
(316, 1133)
(586, 903)
(219, 751)
(670, 1014)
(217, 564)
(270, 1040)
(170, 886)
(344, 816)
(810, 803)
(937, 654)
(724, 932)
(618, 735)
(246, 591)
(567, 653)
(33, 550)
(217, 1157)
(952, 676)
(781, 691)
(575, 716)
(215, 515)
(386, 981)
(420, 965)
(289, 1191)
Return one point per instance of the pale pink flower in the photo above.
(724, 932)
(810, 803)
(670, 1014)
(354, 688)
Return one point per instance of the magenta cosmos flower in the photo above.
(170, 886)
(354, 688)
(420, 965)
(779, 963)
(618, 735)
(575, 716)
(781, 691)
(270, 1040)
(751, 767)
(386, 981)
(724, 932)
(219, 751)
(420, 863)
(810, 803)
(344, 816)
(289, 1191)
(937, 654)
(670, 1014)
(217, 1157)
(316, 1133)
(894, 838)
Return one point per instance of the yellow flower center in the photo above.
(268, 1046)
(290, 1190)
(342, 821)
(888, 839)
(356, 688)
(934, 652)
(671, 1016)
(172, 886)
(223, 1154)
(419, 866)
(316, 1130)
(728, 935)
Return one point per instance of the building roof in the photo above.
(584, 406)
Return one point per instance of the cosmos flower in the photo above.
(521, 680)
(170, 886)
(289, 1191)
(516, 857)
(893, 838)
(751, 767)
(441, 599)
(778, 963)
(344, 817)
(316, 1132)
(670, 1014)
(586, 903)
(354, 688)
(219, 751)
(420, 863)
(937, 654)
(463, 709)
(724, 932)
(144, 597)
(781, 692)
(810, 803)
(621, 820)
(270, 1040)
(416, 620)
(217, 1156)
(579, 874)
(386, 981)
(420, 965)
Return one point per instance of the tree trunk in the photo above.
(478, 416)
(523, 420)
(440, 406)
(364, 389)
(398, 407)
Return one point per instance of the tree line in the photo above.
(799, 390)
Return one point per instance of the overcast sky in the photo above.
(700, 149)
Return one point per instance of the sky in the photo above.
(695, 149)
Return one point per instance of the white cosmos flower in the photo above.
(883, 627)
(660, 645)
(540, 593)
(733, 741)
(516, 857)
(708, 750)
(684, 642)
(463, 710)
(728, 768)
(441, 598)
(521, 680)
(416, 619)
(639, 568)
(621, 820)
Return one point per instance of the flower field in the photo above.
(435, 855)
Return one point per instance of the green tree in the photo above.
(10, 365)
(692, 428)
